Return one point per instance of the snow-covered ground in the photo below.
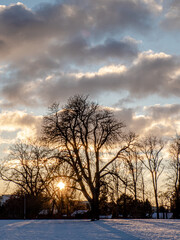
(86, 230)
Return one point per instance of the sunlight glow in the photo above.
(61, 185)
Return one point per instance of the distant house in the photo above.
(79, 212)
(167, 215)
(4, 198)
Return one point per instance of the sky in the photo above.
(124, 54)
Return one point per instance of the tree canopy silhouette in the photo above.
(83, 133)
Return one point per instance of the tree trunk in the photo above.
(157, 205)
(94, 209)
(177, 204)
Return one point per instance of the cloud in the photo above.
(172, 17)
(29, 32)
(19, 94)
(77, 52)
(56, 50)
(21, 124)
(80, 51)
(160, 120)
(150, 73)
(167, 112)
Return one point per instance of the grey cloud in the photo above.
(150, 74)
(157, 120)
(172, 18)
(55, 38)
(114, 48)
(125, 115)
(18, 93)
(101, 16)
(29, 120)
(15, 18)
(79, 51)
(137, 124)
(31, 70)
(26, 31)
(19, 124)
(159, 112)
(123, 101)
(131, 121)
(19, 120)
(122, 14)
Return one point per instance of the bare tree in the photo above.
(151, 148)
(61, 173)
(134, 166)
(142, 185)
(174, 173)
(83, 132)
(28, 167)
(120, 180)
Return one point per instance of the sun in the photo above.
(61, 185)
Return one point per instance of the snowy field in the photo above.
(87, 230)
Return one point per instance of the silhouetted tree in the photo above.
(82, 132)
(174, 176)
(29, 167)
(14, 206)
(151, 148)
(134, 169)
(131, 208)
